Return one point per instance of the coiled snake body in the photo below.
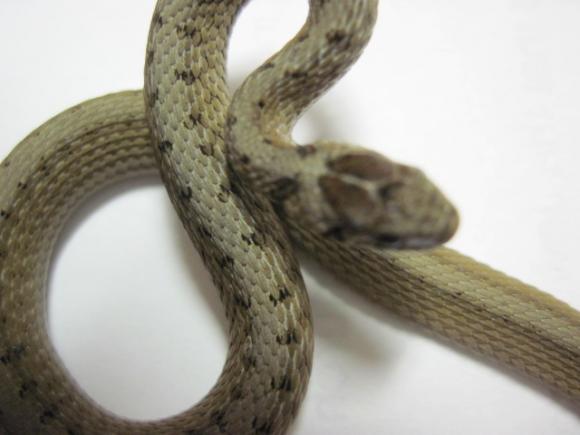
(343, 204)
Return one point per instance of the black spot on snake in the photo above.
(261, 428)
(235, 185)
(204, 232)
(217, 417)
(247, 239)
(284, 384)
(237, 392)
(13, 354)
(249, 361)
(26, 388)
(226, 262)
(305, 150)
(335, 36)
(289, 338)
(157, 19)
(45, 169)
(206, 149)
(165, 146)
(186, 31)
(241, 302)
(266, 66)
(257, 240)
(283, 294)
(224, 193)
(154, 97)
(186, 76)
(47, 415)
(149, 57)
(186, 193)
(232, 120)
(296, 74)
(192, 121)
(253, 239)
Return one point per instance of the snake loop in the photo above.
(241, 186)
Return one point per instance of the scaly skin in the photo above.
(243, 245)
(451, 294)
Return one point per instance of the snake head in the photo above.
(382, 203)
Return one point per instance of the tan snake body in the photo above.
(266, 373)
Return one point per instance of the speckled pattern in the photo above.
(201, 144)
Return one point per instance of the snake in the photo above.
(246, 192)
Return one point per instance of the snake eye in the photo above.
(386, 192)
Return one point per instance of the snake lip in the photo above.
(420, 243)
(389, 241)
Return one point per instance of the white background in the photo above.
(484, 95)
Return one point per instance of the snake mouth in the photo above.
(389, 241)
(421, 241)
(415, 241)
(432, 240)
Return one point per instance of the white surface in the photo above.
(484, 95)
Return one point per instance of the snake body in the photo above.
(185, 125)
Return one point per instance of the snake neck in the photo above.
(270, 100)
(339, 190)
(267, 105)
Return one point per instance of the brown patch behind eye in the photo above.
(349, 201)
(365, 166)
(282, 188)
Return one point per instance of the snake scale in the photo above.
(240, 185)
